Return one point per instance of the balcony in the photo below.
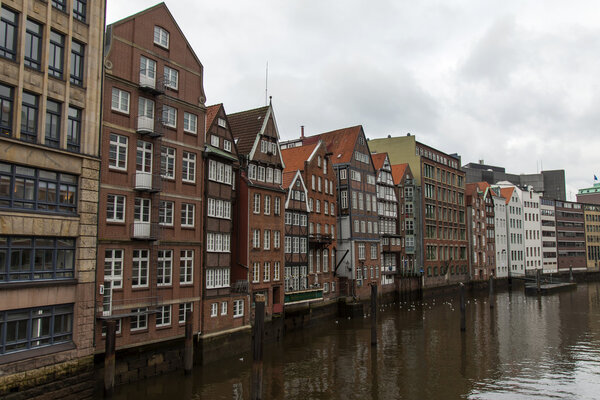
(147, 182)
(323, 238)
(303, 296)
(151, 85)
(110, 308)
(144, 230)
(389, 270)
(145, 126)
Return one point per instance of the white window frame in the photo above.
(122, 98)
(267, 239)
(165, 265)
(188, 215)
(190, 123)
(164, 314)
(188, 171)
(169, 116)
(161, 37)
(238, 308)
(167, 162)
(223, 308)
(186, 267)
(167, 217)
(137, 264)
(170, 75)
(118, 205)
(115, 265)
(267, 271)
(120, 150)
(227, 145)
(214, 309)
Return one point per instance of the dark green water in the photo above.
(523, 348)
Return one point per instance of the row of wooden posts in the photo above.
(258, 336)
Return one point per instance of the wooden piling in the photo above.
(538, 280)
(109, 358)
(188, 355)
(373, 314)
(492, 292)
(462, 308)
(258, 337)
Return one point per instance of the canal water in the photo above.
(524, 348)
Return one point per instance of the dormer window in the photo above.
(222, 123)
(161, 37)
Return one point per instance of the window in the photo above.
(56, 54)
(145, 111)
(223, 308)
(267, 239)
(276, 239)
(77, 57)
(373, 252)
(171, 78)
(219, 208)
(165, 267)
(261, 174)
(276, 271)
(139, 268)
(218, 242)
(141, 210)
(238, 308)
(80, 10)
(186, 266)
(143, 156)
(183, 310)
(24, 258)
(60, 5)
(8, 39)
(252, 171)
(214, 309)
(226, 145)
(163, 316)
(256, 238)
(37, 189)
(6, 110)
(169, 116)
(325, 260)
(161, 37)
(29, 117)
(190, 123)
(187, 215)
(256, 272)
(220, 172)
(277, 176)
(74, 129)
(33, 45)
(277, 206)
(120, 100)
(165, 213)
(267, 205)
(30, 328)
(167, 162)
(267, 272)
(147, 72)
(53, 113)
(113, 267)
(217, 278)
(361, 251)
(115, 208)
(188, 170)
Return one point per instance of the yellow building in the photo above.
(592, 235)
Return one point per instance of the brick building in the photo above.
(389, 229)
(442, 202)
(570, 236)
(150, 224)
(260, 206)
(314, 163)
(548, 232)
(480, 223)
(409, 216)
(50, 97)
(224, 302)
(592, 235)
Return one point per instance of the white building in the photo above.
(514, 228)
(500, 234)
(532, 227)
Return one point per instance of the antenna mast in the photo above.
(266, 83)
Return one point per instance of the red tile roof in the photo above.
(288, 177)
(398, 171)
(507, 193)
(245, 125)
(294, 157)
(340, 143)
(211, 113)
(471, 189)
(378, 159)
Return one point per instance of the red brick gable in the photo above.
(340, 143)
(378, 159)
(398, 172)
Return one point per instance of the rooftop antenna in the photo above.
(266, 82)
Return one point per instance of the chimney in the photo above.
(481, 162)
(301, 131)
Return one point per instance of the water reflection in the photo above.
(523, 348)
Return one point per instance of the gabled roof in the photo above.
(340, 143)
(471, 189)
(289, 181)
(211, 113)
(398, 171)
(288, 178)
(378, 159)
(294, 157)
(246, 125)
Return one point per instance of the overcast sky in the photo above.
(514, 83)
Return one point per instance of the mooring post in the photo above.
(188, 356)
(373, 314)
(571, 273)
(258, 336)
(538, 280)
(492, 291)
(462, 308)
(109, 358)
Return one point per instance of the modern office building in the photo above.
(548, 228)
(589, 195)
(570, 236)
(50, 95)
